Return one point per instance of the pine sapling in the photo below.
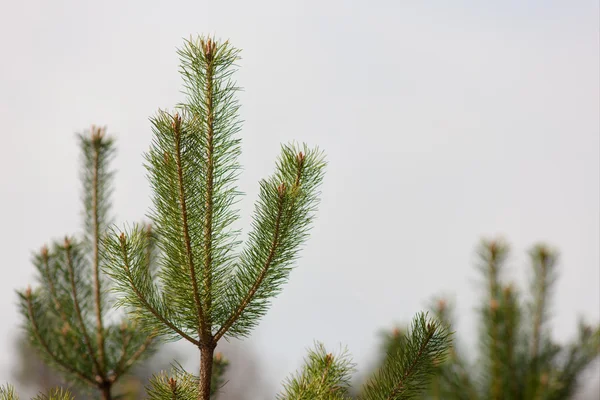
(208, 286)
(66, 315)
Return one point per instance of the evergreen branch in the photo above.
(281, 190)
(492, 254)
(405, 374)
(144, 301)
(186, 234)
(40, 339)
(543, 262)
(78, 313)
(7, 392)
(283, 216)
(209, 48)
(324, 377)
(55, 394)
(51, 286)
(96, 139)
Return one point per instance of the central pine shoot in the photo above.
(208, 285)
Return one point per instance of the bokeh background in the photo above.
(443, 122)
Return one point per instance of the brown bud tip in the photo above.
(173, 383)
(396, 332)
(494, 304)
(218, 357)
(122, 237)
(97, 134)
(176, 124)
(300, 157)
(44, 251)
(328, 358)
(67, 242)
(281, 189)
(442, 304)
(28, 291)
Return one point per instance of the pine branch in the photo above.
(283, 216)
(324, 376)
(7, 392)
(127, 266)
(406, 374)
(41, 341)
(78, 313)
(65, 316)
(492, 256)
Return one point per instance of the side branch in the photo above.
(41, 340)
(400, 386)
(184, 219)
(263, 273)
(145, 302)
(86, 337)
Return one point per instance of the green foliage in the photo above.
(324, 376)
(190, 277)
(410, 362)
(66, 314)
(518, 358)
(203, 290)
(8, 393)
(181, 385)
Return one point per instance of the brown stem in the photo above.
(206, 364)
(105, 390)
(95, 220)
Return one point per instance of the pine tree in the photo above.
(518, 359)
(205, 289)
(67, 315)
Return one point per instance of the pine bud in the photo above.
(494, 304)
(442, 304)
(28, 292)
(67, 243)
(176, 124)
(300, 158)
(218, 357)
(395, 333)
(173, 384)
(122, 238)
(281, 189)
(45, 252)
(329, 359)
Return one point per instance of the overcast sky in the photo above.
(443, 122)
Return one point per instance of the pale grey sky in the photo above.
(442, 121)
